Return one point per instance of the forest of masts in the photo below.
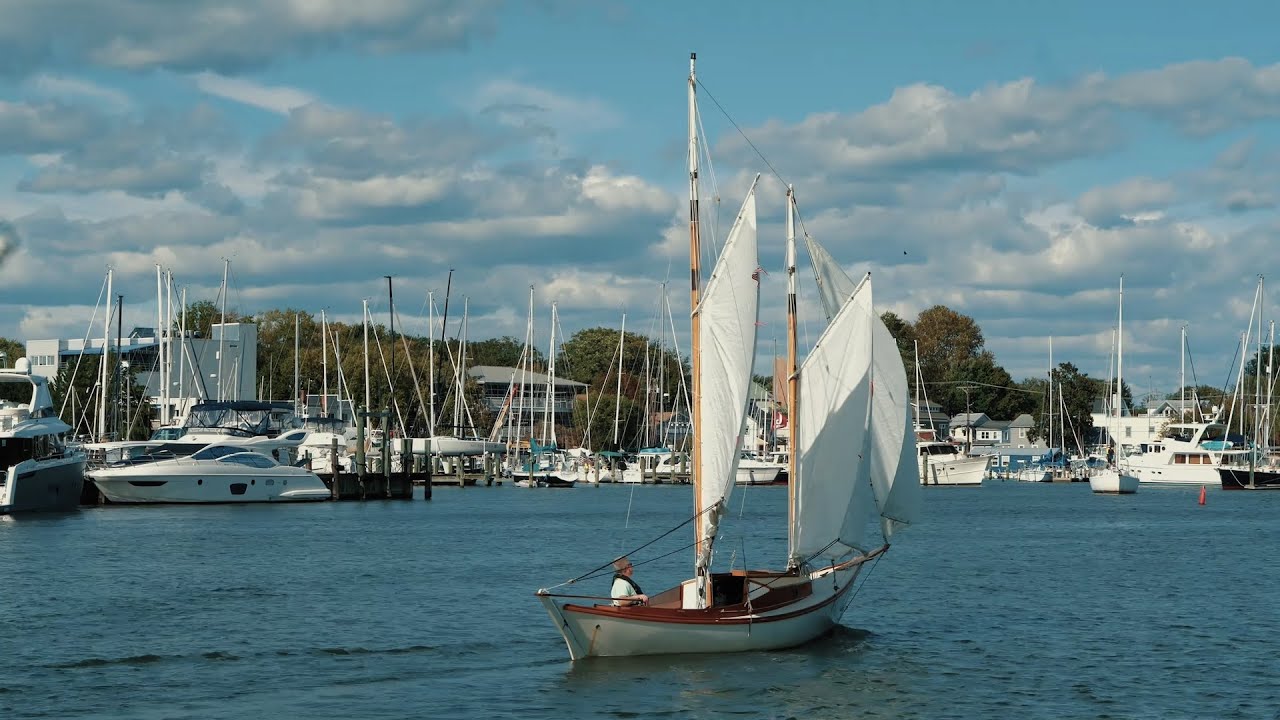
(954, 371)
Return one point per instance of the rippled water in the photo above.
(1008, 601)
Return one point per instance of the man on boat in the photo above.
(625, 591)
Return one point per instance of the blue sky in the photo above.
(1009, 160)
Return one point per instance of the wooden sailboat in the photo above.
(1114, 479)
(851, 427)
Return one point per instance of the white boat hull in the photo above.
(448, 446)
(1111, 482)
(1170, 474)
(958, 471)
(761, 475)
(209, 485)
(42, 485)
(675, 626)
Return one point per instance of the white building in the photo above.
(195, 366)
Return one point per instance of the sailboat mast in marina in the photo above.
(851, 431)
(1115, 479)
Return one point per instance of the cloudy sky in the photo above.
(1005, 160)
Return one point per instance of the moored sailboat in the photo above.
(851, 432)
(1115, 479)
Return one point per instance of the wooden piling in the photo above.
(361, 455)
(334, 466)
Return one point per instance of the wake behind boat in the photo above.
(214, 474)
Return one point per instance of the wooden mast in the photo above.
(695, 274)
(793, 379)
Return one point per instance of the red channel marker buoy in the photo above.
(1201, 494)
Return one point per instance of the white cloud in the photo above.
(229, 36)
(1128, 201)
(68, 88)
(1019, 126)
(276, 99)
(521, 105)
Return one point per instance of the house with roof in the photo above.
(1017, 432)
(976, 429)
(931, 415)
(529, 392)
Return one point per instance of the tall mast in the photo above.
(368, 390)
(1182, 378)
(324, 364)
(617, 404)
(1119, 366)
(164, 407)
(297, 365)
(1051, 408)
(391, 315)
(182, 352)
(695, 282)
(793, 379)
(222, 323)
(548, 428)
(431, 362)
(102, 367)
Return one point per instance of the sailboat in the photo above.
(851, 442)
(1114, 479)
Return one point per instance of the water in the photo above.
(1008, 601)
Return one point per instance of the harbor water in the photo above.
(1006, 601)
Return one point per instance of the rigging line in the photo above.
(638, 549)
(866, 577)
(596, 573)
(626, 525)
(742, 133)
(75, 371)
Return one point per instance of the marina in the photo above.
(482, 360)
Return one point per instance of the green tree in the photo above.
(991, 389)
(12, 350)
(590, 356)
(202, 315)
(1075, 391)
(500, 352)
(599, 416)
(946, 340)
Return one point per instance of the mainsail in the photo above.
(728, 310)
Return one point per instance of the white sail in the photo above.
(728, 313)
(893, 447)
(832, 439)
(897, 489)
(834, 284)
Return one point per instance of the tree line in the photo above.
(943, 350)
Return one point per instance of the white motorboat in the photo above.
(270, 428)
(1186, 453)
(752, 471)
(37, 469)
(942, 463)
(213, 474)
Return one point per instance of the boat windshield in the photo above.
(213, 452)
(1180, 433)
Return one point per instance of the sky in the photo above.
(1009, 160)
